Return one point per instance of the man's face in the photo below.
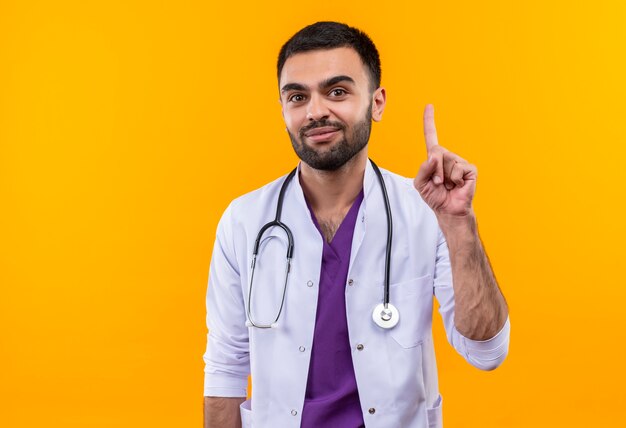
(327, 106)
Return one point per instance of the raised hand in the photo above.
(445, 181)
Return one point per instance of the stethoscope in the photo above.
(385, 314)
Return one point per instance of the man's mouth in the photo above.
(322, 133)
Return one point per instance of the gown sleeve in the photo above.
(227, 357)
(483, 354)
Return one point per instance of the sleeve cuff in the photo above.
(488, 354)
(225, 386)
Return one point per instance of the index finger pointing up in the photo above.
(430, 132)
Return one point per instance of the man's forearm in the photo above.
(480, 309)
(222, 412)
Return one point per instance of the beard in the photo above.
(342, 152)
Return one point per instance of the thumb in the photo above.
(427, 169)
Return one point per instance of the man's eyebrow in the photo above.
(334, 80)
(293, 87)
(322, 85)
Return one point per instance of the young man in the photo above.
(319, 352)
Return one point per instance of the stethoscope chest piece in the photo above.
(386, 317)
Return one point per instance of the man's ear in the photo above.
(379, 98)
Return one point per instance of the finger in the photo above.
(448, 165)
(425, 173)
(470, 172)
(430, 131)
(449, 160)
(437, 156)
(457, 173)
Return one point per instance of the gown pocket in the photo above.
(414, 300)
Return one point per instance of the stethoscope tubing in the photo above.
(385, 311)
(389, 234)
(255, 251)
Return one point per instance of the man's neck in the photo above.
(331, 193)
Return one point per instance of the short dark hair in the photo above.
(330, 35)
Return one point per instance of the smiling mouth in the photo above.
(321, 134)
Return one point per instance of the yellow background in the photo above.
(126, 127)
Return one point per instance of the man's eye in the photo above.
(338, 92)
(296, 98)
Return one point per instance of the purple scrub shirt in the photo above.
(332, 397)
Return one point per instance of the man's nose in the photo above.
(316, 109)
